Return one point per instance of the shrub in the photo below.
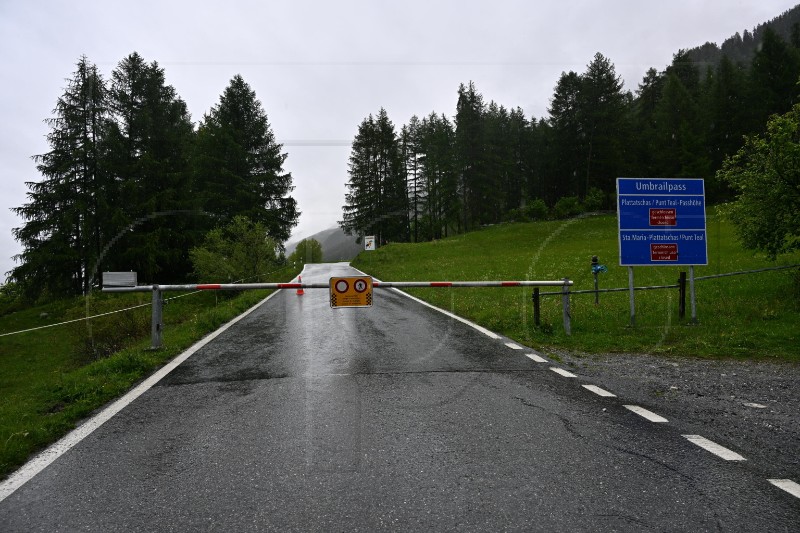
(567, 207)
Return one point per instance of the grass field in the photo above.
(749, 316)
(52, 378)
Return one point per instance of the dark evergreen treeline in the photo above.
(741, 48)
(129, 183)
(437, 176)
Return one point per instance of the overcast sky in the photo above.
(319, 68)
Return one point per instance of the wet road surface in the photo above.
(304, 418)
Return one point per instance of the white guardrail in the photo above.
(158, 302)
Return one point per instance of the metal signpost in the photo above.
(662, 222)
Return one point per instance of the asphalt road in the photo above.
(304, 418)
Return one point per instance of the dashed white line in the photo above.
(644, 413)
(562, 372)
(536, 358)
(755, 405)
(600, 392)
(713, 447)
(514, 346)
(788, 485)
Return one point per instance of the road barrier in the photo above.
(158, 301)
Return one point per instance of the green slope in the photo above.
(752, 316)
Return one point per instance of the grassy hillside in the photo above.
(750, 316)
(52, 378)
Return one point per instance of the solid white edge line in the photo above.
(483, 330)
(600, 392)
(536, 358)
(514, 346)
(713, 447)
(41, 461)
(563, 372)
(788, 485)
(644, 413)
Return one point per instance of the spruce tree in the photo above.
(377, 198)
(470, 154)
(149, 142)
(63, 229)
(239, 164)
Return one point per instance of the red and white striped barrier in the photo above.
(375, 284)
(158, 302)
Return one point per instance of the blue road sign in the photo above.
(661, 222)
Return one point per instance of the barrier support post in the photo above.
(565, 303)
(537, 314)
(157, 319)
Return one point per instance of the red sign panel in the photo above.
(664, 217)
(664, 252)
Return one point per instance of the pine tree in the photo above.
(360, 212)
(377, 199)
(603, 125)
(470, 155)
(409, 146)
(149, 142)
(774, 75)
(62, 235)
(648, 95)
(441, 208)
(565, 153)
(681, 147)
(239, 165)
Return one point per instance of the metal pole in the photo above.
(682, 296)
(630, 289)
(596, 294)
(691, 295)
(157, 319)
(565, 302)
(536, 307)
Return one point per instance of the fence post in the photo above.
(536, 307)
(157, 319)
(565, 303)
(682, 296)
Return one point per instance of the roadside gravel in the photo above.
(752, 407)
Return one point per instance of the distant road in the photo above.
(304, 418)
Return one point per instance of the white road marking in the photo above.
(483, 330)
(514, 346)
(788, 485)
(536, 358)
(48, 456)
(755, 405)
(713, 447)
(563, 372)
(600, 392)
(644, 413)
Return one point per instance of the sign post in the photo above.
(662, 222)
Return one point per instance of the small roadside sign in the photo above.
(351, 292)
(369, 243)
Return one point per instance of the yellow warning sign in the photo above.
(351, 292)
